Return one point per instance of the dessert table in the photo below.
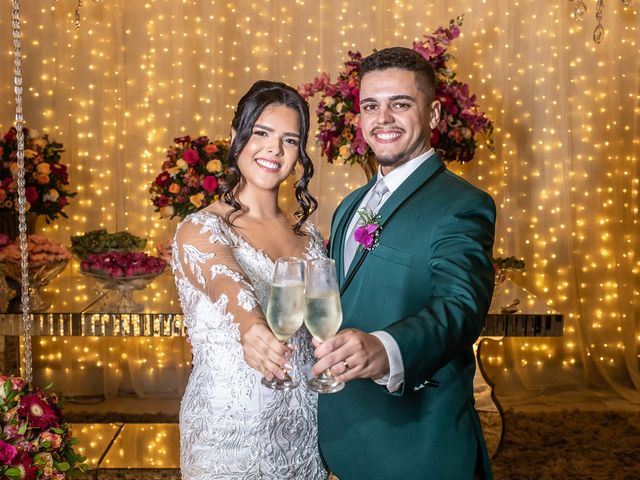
(514, 312)
(78, 310)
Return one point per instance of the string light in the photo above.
(564, 176)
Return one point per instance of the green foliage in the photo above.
(100, 241)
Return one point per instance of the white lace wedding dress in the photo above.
(231, 426)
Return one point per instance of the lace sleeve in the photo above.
(203, 256)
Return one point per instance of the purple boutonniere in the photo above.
(367, 234)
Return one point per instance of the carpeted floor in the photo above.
(569, 445)
(602, 445)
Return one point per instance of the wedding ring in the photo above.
(346, 365)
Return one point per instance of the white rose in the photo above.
(167, 212)
(52, 195)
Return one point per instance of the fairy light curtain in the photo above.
(565, 174)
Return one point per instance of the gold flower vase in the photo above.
(39, 277)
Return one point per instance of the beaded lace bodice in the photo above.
(231, 426)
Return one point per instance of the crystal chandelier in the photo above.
(580, 8)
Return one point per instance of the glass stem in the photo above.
(327, 374)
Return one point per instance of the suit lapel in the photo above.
(341, 225)
(427, 171)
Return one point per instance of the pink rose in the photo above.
(7, 453)
(210, 184)
(191, 156)
(54, 438)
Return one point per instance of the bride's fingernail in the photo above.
(288, 355)
(288, 366)
(280, 374)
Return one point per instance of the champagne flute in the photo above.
(285, 311)
(323, 314)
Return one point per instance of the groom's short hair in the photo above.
(402, 58)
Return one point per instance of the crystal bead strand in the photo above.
(598, 33)
(22, 224)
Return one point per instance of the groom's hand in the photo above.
(352, 354)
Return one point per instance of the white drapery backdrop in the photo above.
(565, 174)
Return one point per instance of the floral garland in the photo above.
(456, 136)
(191, 176)
(46, 178)
(35, 442)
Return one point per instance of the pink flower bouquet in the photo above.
(455, 138)
(35, 442)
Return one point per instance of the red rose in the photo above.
(10, 136)
(163, 179)
(58, 168)
(210, 184)
(162, 201)
(191, 156)
(31, 194)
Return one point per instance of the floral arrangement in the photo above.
(191, 176)
(122, 264)
(456, 136)
(46, 178)
(41, 251)
(100, 241)
(368, 232)
(35, 443)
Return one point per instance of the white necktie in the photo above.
(373, 204)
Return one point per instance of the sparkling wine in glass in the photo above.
(323, 314)
(285, 311)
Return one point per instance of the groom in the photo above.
(414, 303)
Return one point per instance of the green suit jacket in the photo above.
(428, 283)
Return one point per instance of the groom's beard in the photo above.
(394, 160)
(415, 150)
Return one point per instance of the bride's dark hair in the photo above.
(262, 94)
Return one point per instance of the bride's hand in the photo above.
(263, 351)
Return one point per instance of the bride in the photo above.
(231, 426)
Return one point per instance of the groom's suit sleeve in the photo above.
(459, 253)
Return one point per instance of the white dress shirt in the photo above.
(392, 180)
